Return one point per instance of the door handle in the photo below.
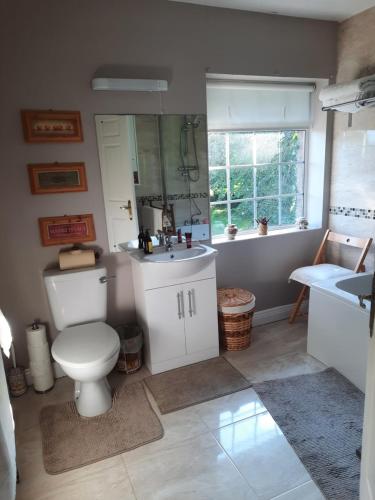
(128, 207)
(190, 293)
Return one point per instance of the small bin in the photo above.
(17, 381)
(131, 343)
(236, 308)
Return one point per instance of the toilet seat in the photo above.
(86, 344)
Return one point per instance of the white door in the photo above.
(166, 329)
(116, 155)
(201, 316)
(368, 440)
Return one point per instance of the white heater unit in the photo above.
(129, 84)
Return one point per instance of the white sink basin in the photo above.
(360, 285)
(177, 255)
(180, 263)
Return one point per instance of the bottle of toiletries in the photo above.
(148, 247)
(145, 245)
(141, 238)
(149, 244)
(188, 239)
(179, 236)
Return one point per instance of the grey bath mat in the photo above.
(321, 415)
(71, 441)
(193, 384)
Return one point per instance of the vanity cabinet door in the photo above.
(201, 325)
(166, 325)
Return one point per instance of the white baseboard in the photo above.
(57, 370)
(275, 314)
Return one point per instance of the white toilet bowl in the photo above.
(87, 353)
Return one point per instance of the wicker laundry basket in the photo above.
(236, 309)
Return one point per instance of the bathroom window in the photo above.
(255, 174)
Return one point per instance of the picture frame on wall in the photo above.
(66, 229)
(48, 178)
(51, 126)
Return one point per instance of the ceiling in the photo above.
(331, 10)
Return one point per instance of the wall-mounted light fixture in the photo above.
(129, 84)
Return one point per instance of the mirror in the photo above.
(154, 174)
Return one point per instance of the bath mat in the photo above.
(193, 384)
(71, 441)
(321, 416)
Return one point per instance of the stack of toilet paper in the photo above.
(40, 359)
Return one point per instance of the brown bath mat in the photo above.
(71, 441)
(193, 384)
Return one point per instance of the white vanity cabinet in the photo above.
(179, 320)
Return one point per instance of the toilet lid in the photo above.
(85, 344)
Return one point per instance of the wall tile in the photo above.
(353, 164)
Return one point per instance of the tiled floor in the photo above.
(228, 448)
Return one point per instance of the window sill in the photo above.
(218, 240)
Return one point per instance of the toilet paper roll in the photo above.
(76, 258)
(36, 337)
(43, 383)
(37, 346)
(40, 358)
(40, 366)
(37, 352)
(40, 371)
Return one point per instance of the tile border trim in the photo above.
(171, 197)
(358, 213)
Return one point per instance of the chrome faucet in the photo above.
(168, 243)
(161, 238)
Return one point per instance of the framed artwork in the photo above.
(56, 177)
(67, 229)
(52, 126)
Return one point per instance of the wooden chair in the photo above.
(320, 271)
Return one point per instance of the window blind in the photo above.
(235, 105)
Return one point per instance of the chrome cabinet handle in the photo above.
(182, 305)
(190, 293)
(179, 306)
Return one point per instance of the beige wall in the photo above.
(353, 165)
(50, 50)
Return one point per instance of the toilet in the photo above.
(86, 347)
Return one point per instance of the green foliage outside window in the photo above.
(269, 164)
(216, 149)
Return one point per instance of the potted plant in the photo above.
(231, 230)
(262, 225)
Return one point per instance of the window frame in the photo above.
(227, 167)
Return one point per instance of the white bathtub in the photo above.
(338, 330)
